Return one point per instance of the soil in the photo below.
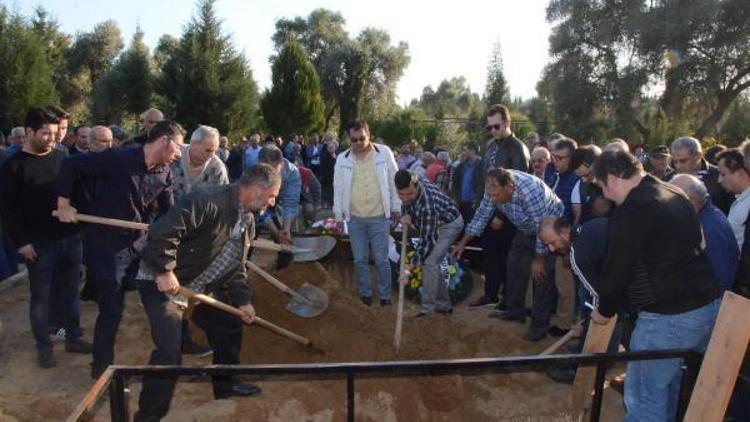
(347, 331)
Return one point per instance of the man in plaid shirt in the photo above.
(526, 200)
(439, 222)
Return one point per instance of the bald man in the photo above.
(100, 139)
(150, 117)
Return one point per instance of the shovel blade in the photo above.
(313, 248)
(315, 304)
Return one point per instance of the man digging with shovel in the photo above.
(209, 233)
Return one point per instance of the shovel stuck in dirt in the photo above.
(307, 302)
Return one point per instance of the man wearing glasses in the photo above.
(130, 184)
(687, 158)
(365, 197)
(506, 151)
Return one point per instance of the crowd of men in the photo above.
(589, 229)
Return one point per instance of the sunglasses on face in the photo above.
(360, 139)
(496, 127)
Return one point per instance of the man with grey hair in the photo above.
(687, 158)
(199, 166)
(202, 243)
(721, 246)
(149, 118)
(16, 139)
(223, 151)
(100, 139)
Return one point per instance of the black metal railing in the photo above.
(118, 376)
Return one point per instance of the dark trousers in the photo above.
(545, 297)
(224, 332)
(8, 257)
(495, 247)
(519, 270)
(56, 269)
(111, 301)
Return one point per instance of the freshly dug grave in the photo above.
(348, 332)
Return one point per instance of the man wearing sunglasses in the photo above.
(131, 183)
(506, 151)
(365, 197)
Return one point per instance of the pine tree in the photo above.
(206, 81)
(25, 74)
(294, 103)
(127, 89)
(496, 89)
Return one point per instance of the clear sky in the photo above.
(445, 40)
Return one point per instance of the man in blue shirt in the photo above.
(526, 201)
(132, 183)
(721, 246)
(467, 186)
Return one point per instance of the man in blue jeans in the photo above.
(665, 278)
(364, 196)
(51, 250)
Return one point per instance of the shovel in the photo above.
(307, 302)
(257, 243)
(208, 300)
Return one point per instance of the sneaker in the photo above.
(78, 346)
(385, 302)
(56, 334)
(483, 301)
(197, 350)
(367, 300)
(556, 331)
(46, 358)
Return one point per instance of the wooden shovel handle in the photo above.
(400, 310)
(208, 300)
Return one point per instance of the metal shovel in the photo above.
(307, 302)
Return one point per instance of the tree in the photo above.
(25, 74)
(404, 125)
(294, 103)
(496, 88)
(452, 99)
(89, 58)
(351, 70)
(206, 81)
(128, 87)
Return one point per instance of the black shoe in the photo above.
(46, 358)
(482, 301)
(444, 311)
(534, 335)
(196, 350)
(421, 315)
(562, 375)
(618, 384)
(238, 390)
(367, 300)
(507, 316)
(556, 331)
(385, 302)
(78, 346)
(501, 306)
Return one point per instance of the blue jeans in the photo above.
(652, 386)
(370, 235)
(57, 268)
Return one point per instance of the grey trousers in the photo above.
(434, 289)
(519, 270)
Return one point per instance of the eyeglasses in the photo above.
(496, 127)
(360, 139)
(560, 157)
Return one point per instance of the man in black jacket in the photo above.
(687, 157)
(208, 233)
(665, 278)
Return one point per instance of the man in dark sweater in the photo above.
(506, 151)
(665, 278)
(132, 184)
(52, 250)
(202, 243)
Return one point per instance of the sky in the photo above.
(444, 41)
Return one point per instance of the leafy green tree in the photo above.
(25, 75)
(128, 87)
(496, 88)
(206, 81)
(404, 125)
(294, 103)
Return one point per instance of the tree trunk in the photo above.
(709, 124)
